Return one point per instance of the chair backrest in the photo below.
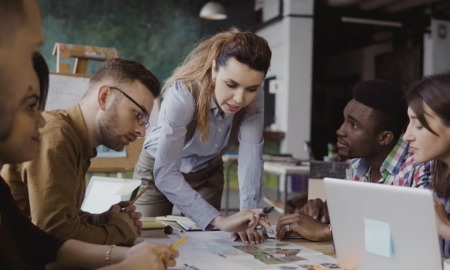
(81, 54)
(318, 171)
(118, 164)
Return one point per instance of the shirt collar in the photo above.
(215, 110)
(391, 164)
(361, 166)
(393, 161)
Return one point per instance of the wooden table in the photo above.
(284, 170)
(280, 165)
(326, 248)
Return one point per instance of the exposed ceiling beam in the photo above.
(444, 6)
(402, 5)
(391, 6)
(341, 3)
(371, 22)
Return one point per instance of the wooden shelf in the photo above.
(273, 135)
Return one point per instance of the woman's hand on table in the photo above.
(242, 225)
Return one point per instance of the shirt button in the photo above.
(220, 129)
(216, 145)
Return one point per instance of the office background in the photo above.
(318, 56)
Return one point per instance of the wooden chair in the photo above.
(82, 54)
(118, 165)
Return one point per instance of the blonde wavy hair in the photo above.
(196, 70)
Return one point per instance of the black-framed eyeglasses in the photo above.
(142, 117)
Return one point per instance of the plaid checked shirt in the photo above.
(399, 169)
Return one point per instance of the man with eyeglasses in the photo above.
(113, 112)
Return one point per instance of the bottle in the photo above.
(331, 156)
(331, 150)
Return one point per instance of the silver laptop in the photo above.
(379, 226)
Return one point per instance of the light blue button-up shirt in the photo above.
(165, 142)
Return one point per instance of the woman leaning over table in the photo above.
(212, 99)
(428, 135)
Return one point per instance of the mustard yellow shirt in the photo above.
(51, 188)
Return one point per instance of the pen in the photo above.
(135, 198)
(264, 232)
(174, 246)
(139, 194)
(265, 211)
(191, 267)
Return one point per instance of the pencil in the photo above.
(175, 245)
(139, 194)
(179, 242)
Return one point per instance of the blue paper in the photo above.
(378, 238)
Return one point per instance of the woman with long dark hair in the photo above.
(428, 134)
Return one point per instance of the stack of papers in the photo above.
(189, 225)
(216, 250)
(186, 223)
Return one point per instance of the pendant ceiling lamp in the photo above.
(213, 11)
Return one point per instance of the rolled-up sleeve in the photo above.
(177, 112)
(250, 162)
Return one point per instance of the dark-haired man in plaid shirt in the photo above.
(371, 135)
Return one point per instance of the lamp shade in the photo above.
(213, 11)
